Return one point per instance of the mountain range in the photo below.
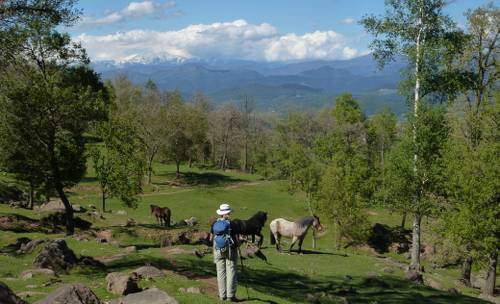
(273, 86)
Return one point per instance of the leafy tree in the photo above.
(17, 17)
(471, 179)
(148, 115)
(177, 142)
(303, 173)
(417, 29)
(402, 182)
(50, 98)
(343, 188)
(224, 135)
(474, 65)
(119, 163)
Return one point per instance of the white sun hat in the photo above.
(224, 209)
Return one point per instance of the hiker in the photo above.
(226, 244)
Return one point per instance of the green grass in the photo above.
(288, 278)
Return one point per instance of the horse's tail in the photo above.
(272, 238)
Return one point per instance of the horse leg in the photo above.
(277, 236)
(300, 245)
(294, 239)
(261, 239)
(253, 238)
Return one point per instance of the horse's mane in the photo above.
(260, 216)
(306, 221)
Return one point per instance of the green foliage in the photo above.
(50, 99)
(119, 163)
(404, 179)
(471, 178)
(344, 188)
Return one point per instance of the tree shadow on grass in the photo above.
(212, 179)
(295, 287)
(298, 288)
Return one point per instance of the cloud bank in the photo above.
(133, 10)
(222, 40)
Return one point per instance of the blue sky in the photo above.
(272, 30)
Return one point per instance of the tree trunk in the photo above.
(190, 162)
(70, 225)
(31, 202)
(416, 243)
(466, 271)
(178, 172)
(403, 221)
(489, 283)
(415, 253)
(103, 201)
(150, 168)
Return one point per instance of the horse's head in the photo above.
(263, 216)
(317, 224)
(152, 207)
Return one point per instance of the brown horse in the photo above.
(162, 214)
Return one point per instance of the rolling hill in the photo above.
(273, 86)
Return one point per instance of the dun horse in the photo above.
(162, 214)
(252, 226)
(296, 230)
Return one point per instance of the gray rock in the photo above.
(414, 276)
(56, 256)
(148, 272)
(130, 249)
(192, 221)
(32, 245)
(121, 283)
(79, 208)
(7, 296)
(28, 274)
(149, 296)
(193, 290)
(71, 294)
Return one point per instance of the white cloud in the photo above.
(139, 8)
(133, 10)
(229, 40)
(348, 21)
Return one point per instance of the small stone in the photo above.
(121, 283)
(148, 272)
(130, 249)
(149, 296)
(28, 274)
(104, 236)
(121, 212)
(194, 290)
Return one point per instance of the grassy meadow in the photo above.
(326, 274)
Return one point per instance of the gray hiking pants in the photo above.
(226, 272)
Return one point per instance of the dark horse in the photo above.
(162, 214)
(252, 226)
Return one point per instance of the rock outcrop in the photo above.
(121, 283)
(149, 296)
(71, 294)
(56, 256)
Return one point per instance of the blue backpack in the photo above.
(222, 231)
